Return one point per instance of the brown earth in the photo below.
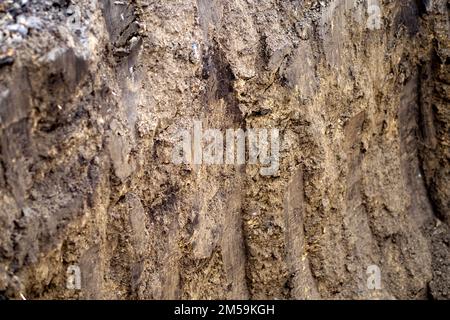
(93, 92)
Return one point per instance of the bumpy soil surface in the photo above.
(93, 92)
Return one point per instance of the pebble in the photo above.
(6, 61)
(303, 30)
(27, 212)
(16, 39)
(194, 56)
(33, 23)
(18, 28)
(15, 9)
(30, 22)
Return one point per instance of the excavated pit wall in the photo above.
(93, 97)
